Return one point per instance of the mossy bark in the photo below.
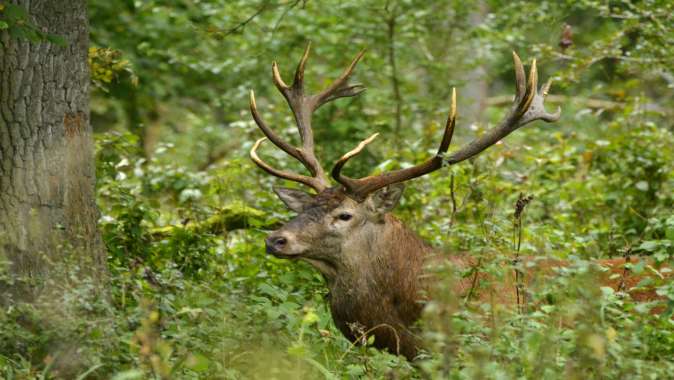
(229, 218)
(47, 168)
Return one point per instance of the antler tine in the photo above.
(278, 81)
(302, 107)
(532, 87)
(299, 72)
(340, 87)
(360, 188)
(520, 78)
(273, 137)
(449, 126)
(298, 81)
(528, 106)
(349, 183)
(312, 182)
(298, 104)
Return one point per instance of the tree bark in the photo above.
(47, 168)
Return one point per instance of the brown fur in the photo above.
(375, 267)
(613, 273)
(382, 297)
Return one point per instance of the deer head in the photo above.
(329, 221)
(370, 260)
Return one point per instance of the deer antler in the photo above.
(527, 107)
(303, 106)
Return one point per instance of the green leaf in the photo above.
(128, 375)
(88, 372)
(650, 245)
(642, 185)
(326, 373)
(669, 233)
(355, 370)
(3, 25)
(607, 291)
(660, 256)
(273, 292)
(15, 12)
(198, 363)
(297, 350)
(639, 267)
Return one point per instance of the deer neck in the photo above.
(381, 258)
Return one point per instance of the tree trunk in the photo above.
(47, 168)
(475, 94)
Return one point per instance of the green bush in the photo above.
(190, 292)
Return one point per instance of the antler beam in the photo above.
(303, 107)
(527, 107)
(360, 188)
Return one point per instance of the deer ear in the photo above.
(295, 200)
(386, 199)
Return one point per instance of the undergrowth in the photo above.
(186, 302)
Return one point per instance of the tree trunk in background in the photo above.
(476, 93)
(47, 168)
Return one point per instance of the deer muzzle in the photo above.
(279, 244)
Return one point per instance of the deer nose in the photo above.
(276, 243)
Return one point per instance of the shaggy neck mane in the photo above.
(378, 291)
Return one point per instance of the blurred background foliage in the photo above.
(184, 211)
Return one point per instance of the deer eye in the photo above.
(344, 216)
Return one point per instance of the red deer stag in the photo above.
(371, 262)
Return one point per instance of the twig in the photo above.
(522, 202)
(241, 25)
(285, 13)
(626, 269)
(473, 283)
(214, 157)
(457, 208)
(453, 198)
(364, 334)
(391, 19)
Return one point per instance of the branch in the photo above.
(395, 83)
(231, 217)
(242, 24)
